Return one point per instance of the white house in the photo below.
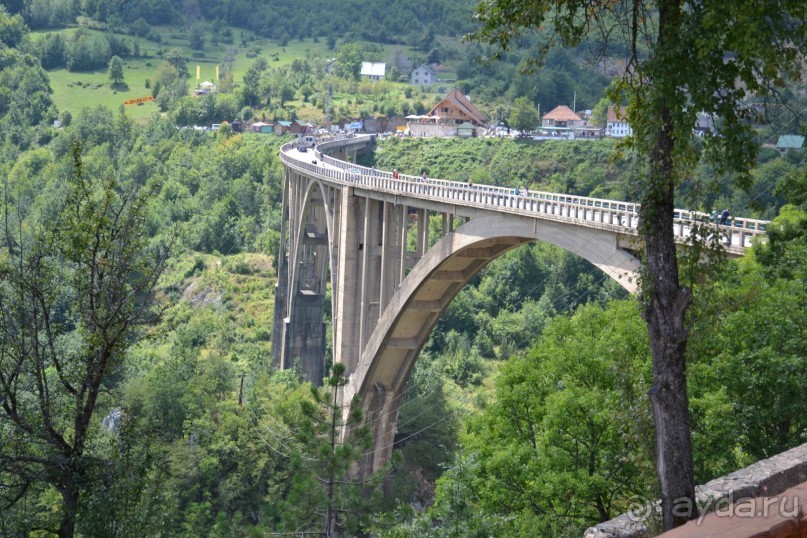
(616, 125)
(423, 75)
(373, 70)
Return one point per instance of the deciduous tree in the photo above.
(523, 115)
(115, 70)
(702, 56)
(76, 282)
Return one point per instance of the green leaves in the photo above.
(564, 439)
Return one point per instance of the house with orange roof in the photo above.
(561, 117)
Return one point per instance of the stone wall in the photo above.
(765, 478)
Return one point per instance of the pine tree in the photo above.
(333, 441)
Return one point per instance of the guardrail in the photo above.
(619, 216)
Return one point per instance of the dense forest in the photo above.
(382, 22)
(137, 392)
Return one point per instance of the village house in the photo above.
(560, 117)
(423, 75)
(456, 108)
(373, 70)
(282, 127)
(262, 127)
(299, 127)
(616, 123)
(789, 142)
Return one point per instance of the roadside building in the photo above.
(262, 127)
(704, 123)
(561, 117)
(466, 130)
(299, 127)
(373, 70)
(560, 122)
(789, 142)
(423, 75)
(456, 108)
(282, 127)
(616, 123)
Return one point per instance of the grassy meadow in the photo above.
(74, 91)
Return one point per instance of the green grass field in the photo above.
(75, 91)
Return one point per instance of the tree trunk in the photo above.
(664, 314)
(665, 306)
(69, 491)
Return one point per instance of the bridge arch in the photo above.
(403, 329)
(386, 296)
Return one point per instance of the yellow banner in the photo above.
(217, 72)
(198, 72)
(138, 100)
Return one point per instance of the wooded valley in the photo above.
(137, 274)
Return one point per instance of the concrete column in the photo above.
(390, 254)
(367, 248)
(346, 338)
(304, 337)
(282, 286)
(380, 409)
(404, 249)
(422, 233)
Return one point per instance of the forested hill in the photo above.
(384, 21)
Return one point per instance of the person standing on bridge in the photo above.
(724, 217)
(424, 179)
(395, 173)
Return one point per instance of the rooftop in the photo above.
(561, 113)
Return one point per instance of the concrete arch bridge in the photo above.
(353, 225)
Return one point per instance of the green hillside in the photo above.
(138, 396)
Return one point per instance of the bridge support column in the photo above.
(347, 295)
(380, 409)
(299, 330)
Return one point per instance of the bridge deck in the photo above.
(618, 216)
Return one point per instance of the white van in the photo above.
(307, 141)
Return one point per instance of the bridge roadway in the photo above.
(353, 225)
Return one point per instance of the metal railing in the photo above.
(622, 217)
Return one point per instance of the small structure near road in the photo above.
(789, 142)
(616, 123)
(373, 70)
(423, 75)
(456, 108)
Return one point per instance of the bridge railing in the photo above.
(738, 234)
